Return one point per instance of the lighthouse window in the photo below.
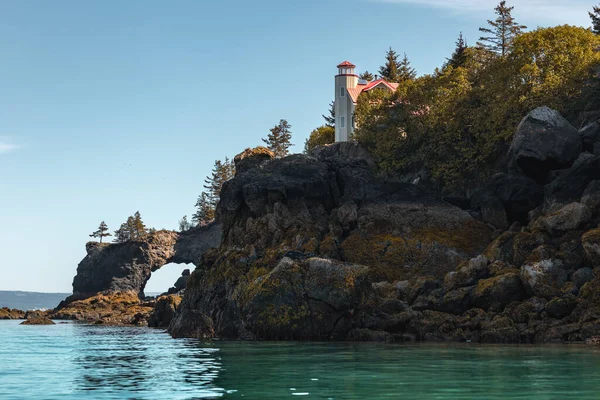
(343, 122)
(342, 92)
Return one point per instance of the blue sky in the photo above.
(109, 107)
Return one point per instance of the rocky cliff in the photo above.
(110, 280)
(321, 247)
(318, 247)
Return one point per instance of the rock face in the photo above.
(10, 313)
(37, 318)
(544, 141)
(320, 247)
(111, 308)
(126, 267)
(164, 311)
(303, 219)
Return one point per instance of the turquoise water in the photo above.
(71, 361)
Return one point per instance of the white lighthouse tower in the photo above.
(344, 105)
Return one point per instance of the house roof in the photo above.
(355, 92)
(346, 64)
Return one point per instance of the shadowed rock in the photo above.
(544, 142)
(127, 267)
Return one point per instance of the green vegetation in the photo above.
(502, 31)
(278, 141)
(321, 136)
(595, 17)
(102, 232)
(458, 122)
(208, 200)
(131, 230)
(184, 224)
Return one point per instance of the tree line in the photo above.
(458, 121)
(131, 230)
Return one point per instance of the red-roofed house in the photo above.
(347, 90)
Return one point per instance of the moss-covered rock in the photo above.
(119, 308)
(543, 278)
(9, 313)
(164, 311)
(497, 292)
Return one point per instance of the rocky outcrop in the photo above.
(127, 267)
(164, 311)
(321, 247)
(402, 265)
(37, 318)
(10, 313)
(290, 220)
(544, 142)
(252, 158)
(113, 308)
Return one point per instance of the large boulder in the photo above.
(543, 278)
(544, 142)
(497, 292)
(570, 185)
(569, 217)
(591, 195)
(590, 135)
(164, 311)
(304, 299)
(252, 158)
(507, 199)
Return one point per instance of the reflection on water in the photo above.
(78, 361)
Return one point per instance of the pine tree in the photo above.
(405, 71)
(205, 212)
(459, 57)
(595, 16)
(123, 234)
(102, 231)
(138, 229)
(389, 71)
(278, 141)
(213, 184)
(502, 32)
(330, 119)
(184, 224)
(367, 76)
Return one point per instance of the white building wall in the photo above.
(344, 106)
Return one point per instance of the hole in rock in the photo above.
(164, 278)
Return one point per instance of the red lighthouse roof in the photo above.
(346, 64)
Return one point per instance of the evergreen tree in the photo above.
(205, 212)
(367, 76)
(389, 71)
(208, 199)
(184, 224)
(595, 16)
(330, 119)
(405, 71)
(123, 234)
(138, 229)
(132, 229)
(102, 232)
(278, 141)
(502, 32)
(459, 57)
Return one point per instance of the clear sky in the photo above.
(108, 107)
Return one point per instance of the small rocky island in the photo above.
(320, 247)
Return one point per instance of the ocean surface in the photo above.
(72, 361)
(30, 300)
